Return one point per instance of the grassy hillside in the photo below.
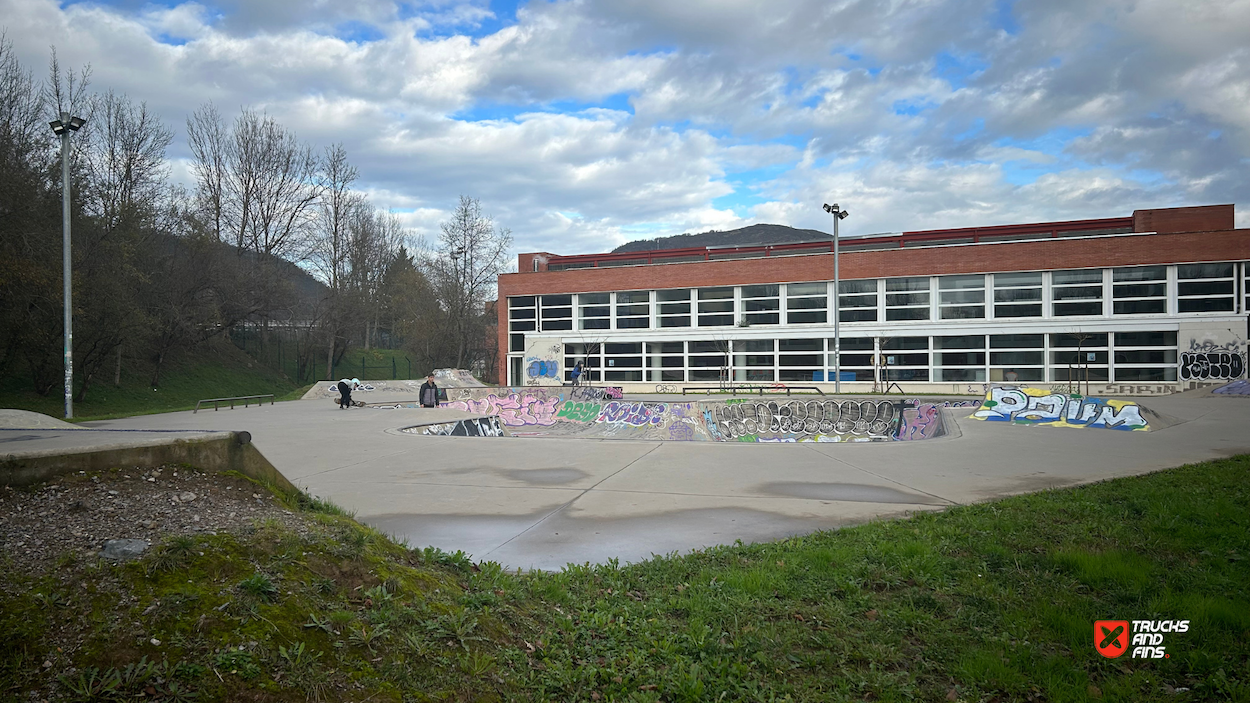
(211, 371)
(990, 602)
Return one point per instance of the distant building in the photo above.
(1150, 303)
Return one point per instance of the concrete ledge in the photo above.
(220, 452)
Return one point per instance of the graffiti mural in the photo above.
(633, 414)
(1234, 388)
(1203, 366)
(546, 368)
(1037, 406)
(816, 420)
(471, 427)
(514, 409)
(579, 412)
(924, 421)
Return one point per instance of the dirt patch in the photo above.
(77, 513)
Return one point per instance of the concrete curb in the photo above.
(218, 453)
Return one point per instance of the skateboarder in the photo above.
(428, 394)
(346, 386)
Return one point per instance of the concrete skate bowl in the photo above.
(587, 413)
(387, 392)
(1042, 407)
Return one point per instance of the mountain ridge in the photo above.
(751, 235)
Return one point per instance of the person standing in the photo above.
(428, 394)
(577, 373)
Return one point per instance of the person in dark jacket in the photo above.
(428, 395)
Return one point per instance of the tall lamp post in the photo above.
(63, 128)
(838, 215)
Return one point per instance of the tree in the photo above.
(472, 253)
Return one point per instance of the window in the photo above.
(557, 312)
(673, 309)
(516, 342)
(906, 358)
(856, 358)
(633, 310)
(907, 299)
(622, 361)
(1076, 292)
(521, 314)
(594, 311)
(666, 361)
(1144, 357)
(753, 360)
(961, 297)
(1078, 356)
(807, 303)
(1204, 287)
(1139, 290)
(716, 307)
(1017, 357)
(1018, 294)
(960, 358)
(801, 359)
(857, 300)
(761, 305)
(707, 360)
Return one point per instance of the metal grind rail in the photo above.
(733, 390)
(247, 399)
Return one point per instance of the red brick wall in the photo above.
(1205, 218)
(1125, 250)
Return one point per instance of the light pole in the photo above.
(838, 214)
(63, 127)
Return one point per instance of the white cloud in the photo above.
(914, 114)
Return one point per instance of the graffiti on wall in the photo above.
(470, 427)
(536, 368)
(513, 409)
(1038, 406)
(923, 421)
(1210, 360)
(633, 414)
(818, 420)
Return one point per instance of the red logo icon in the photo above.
(1111, 637)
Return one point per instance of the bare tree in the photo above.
(472, 253)
(211, 148)
(125, 159)
(329, 247)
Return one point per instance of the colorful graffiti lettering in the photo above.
(1037, 406)
(612, 392)
(470, 427)
(514, 409)
(579, 412)
(542, 368)
(633, 414)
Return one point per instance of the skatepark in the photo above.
(553, 476)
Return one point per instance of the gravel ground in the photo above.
(76, 513)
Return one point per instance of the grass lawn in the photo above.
(991, 602)
(214, 370)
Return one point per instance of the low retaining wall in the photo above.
(469, 427)
(220, 452)
(593, 412)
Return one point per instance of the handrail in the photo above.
(244, 398)
(733, 390)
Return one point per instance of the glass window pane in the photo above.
(1031, 278)
(592, 299)
(1204, 271)
(966, 312)
(636, 296)
(716, 320)
(761, 318)
(808, 288)
(1016, 341)
(858, 314)
(1205, 288)
(717, 306)
(674, 308)
(1018, 310)
(522, 314)
(1016, 358)
(760, 291)
(975, 341)
(893, 343)
(1145, 339)
(1141, 290)
(1139, 307)
(907, 314)
(901, 299)
(715, 293)
(807, 318)
(961, 282)
(865, 286)
(806, 303)
(1078, 293)
(671, 295)
(1206, 305)
(1069, 309)
(901, 284)
(1017, 294)
(549, 300)
(524, 301)
(675, 321)
(802, 344)
(857, 344)
(961, 296)
(1081, 276)
(1140, 273)
(762, 304)
(1087, 340)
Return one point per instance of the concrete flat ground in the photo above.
(544, 502)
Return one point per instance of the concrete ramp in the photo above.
(26, 420)
(594, 413)
(1023, 405)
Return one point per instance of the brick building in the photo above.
(1150, 303)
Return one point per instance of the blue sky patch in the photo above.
(958, 69)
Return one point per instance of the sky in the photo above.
(581, 125)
